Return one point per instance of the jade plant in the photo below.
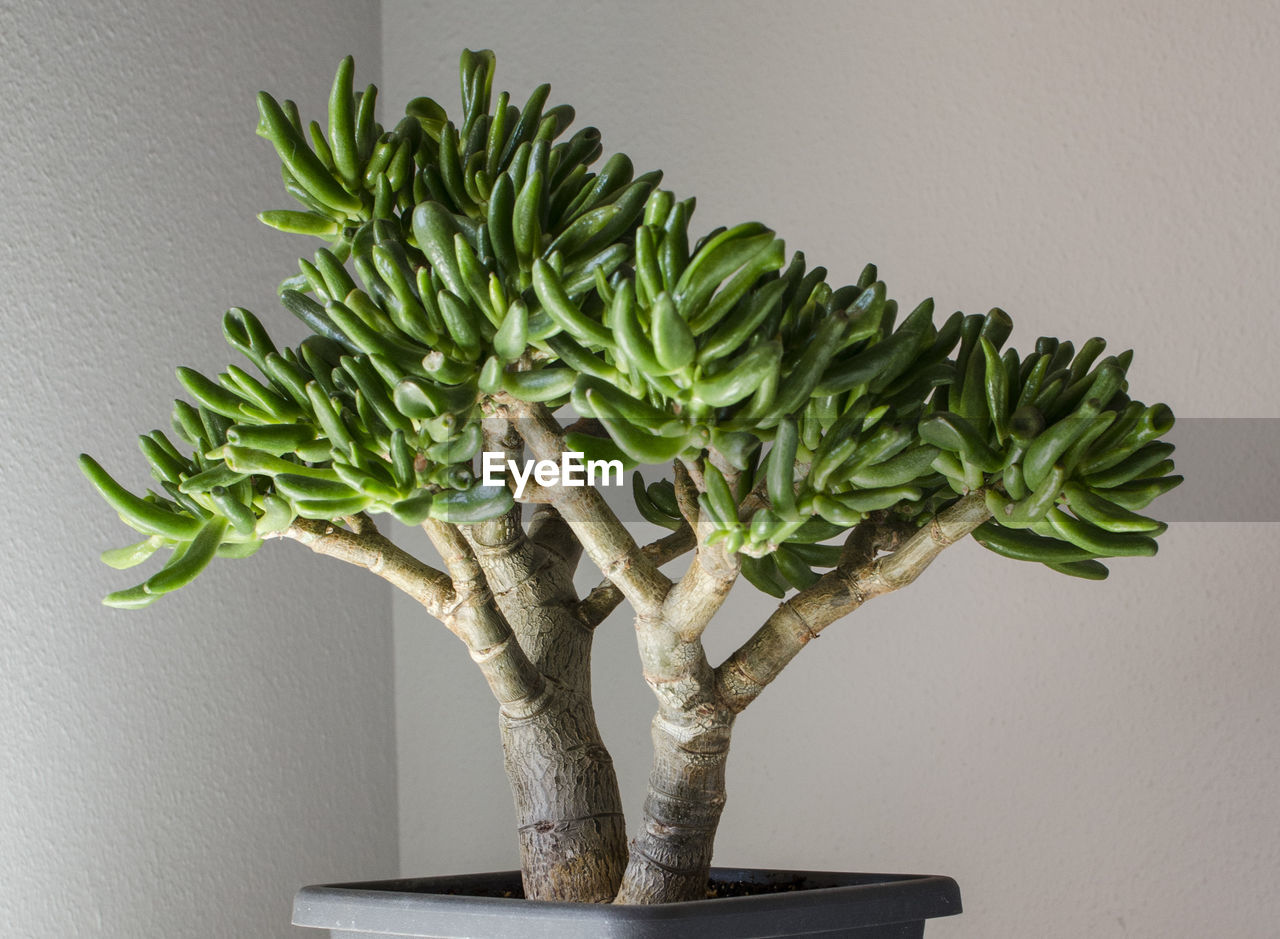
(483, 298)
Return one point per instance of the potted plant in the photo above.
(497, 334)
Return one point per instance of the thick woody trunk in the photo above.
(568, 810)
(671, 853)
(573, 843)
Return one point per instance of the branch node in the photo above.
(809, 631)
(937, 535)
(492, 652)
(853, 582)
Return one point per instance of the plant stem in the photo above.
(570, 824)
(671, 853)
(370, 550)
(758, 661)
(605, 597)
(602, 535)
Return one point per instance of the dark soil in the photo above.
(745, 888)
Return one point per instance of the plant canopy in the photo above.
(477, 282)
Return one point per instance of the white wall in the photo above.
(178, 771)
(1086, 759)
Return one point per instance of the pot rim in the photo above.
(826, 897)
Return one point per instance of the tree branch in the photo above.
(455, 553)
(603, 536)
(534, 591)
(878, 533)
(686, 494)
(465, 606)
(605, 597)
(366, 547)
(473, 616)
(551, 532)
(859, 578)
(702, 590)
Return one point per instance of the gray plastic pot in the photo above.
(488, 906)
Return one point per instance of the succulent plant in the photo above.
(477, 281)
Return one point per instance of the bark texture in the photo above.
(573, 837)
(671, 853)
(573, 841)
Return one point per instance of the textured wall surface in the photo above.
(180, 771)
(1086, 759)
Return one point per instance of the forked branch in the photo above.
(364, 546)
(473, 616)
(694, 600)
(605, 596)
(603, 536)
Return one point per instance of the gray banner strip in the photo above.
(1230, 465)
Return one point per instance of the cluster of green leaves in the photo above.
(1065, 457)
(467, 259)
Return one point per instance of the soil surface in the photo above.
(745, 888)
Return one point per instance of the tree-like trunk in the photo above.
(671, 853)
(573, 839)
